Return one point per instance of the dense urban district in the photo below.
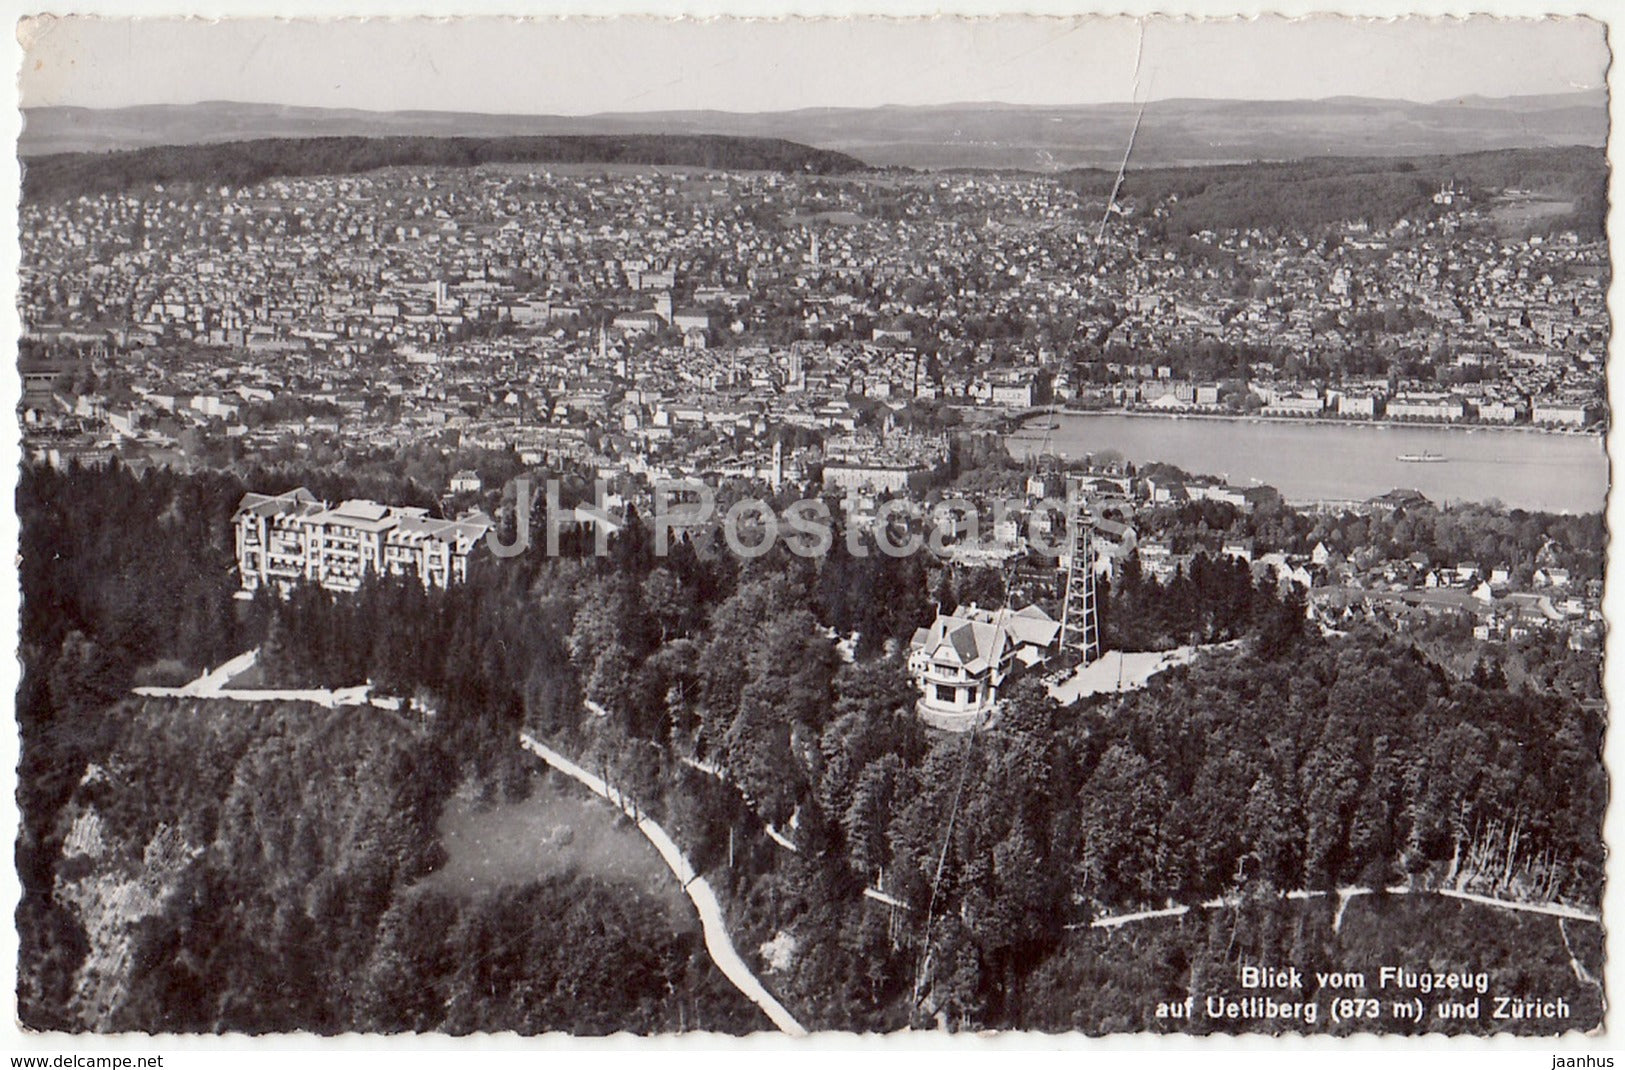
(640, 318)
(1114, 736)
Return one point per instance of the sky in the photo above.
(584, 66)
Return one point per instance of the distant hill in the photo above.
(1172, 132)
(244, 162)
(1378, 189)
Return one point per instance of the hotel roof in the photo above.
(298, 501)
(408, 523)
(974, 638)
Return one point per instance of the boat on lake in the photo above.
(1425, 457)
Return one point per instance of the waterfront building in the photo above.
(1499, 412)
(1295, 406)
(1012, 395)
(1562, 413)
(1359, 406)
(1426, 407)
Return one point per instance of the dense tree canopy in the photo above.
(243, 163)
(725, 696)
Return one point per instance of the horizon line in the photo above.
(1443, 101)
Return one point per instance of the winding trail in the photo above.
(212, 684)
(1582, 974)
(717, 941)
(1555, 910)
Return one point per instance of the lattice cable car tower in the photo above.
(1080, 615)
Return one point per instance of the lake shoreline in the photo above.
(1021, 423)
(1310, 461)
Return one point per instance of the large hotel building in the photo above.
(284, 538)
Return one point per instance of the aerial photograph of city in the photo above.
(1086, 526)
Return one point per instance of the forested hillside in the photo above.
(1114, 981)
(1292, 762)
(254, 868)
(1306, 194)
(243, 163)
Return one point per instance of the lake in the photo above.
(1335, 461)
